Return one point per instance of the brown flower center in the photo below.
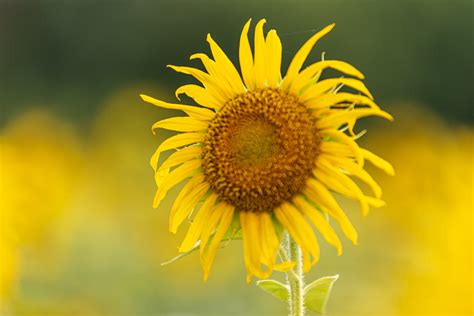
(260, 149)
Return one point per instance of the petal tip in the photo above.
(155, 204)
(389, 117)
(248, 279)
(173, 227)
(260, 25)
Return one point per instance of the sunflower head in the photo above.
(265, 150)
(260, 149)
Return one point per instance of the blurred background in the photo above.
(78, 234)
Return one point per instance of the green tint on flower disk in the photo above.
(266, 150)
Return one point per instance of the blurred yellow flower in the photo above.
(265, 151)
(123, 187)
(116, 153)
(40, 163)
(430, 202)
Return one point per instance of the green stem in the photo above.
(295, 279)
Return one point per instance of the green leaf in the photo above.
(275, 288)
(316, 294)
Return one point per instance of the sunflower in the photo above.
(264, 152)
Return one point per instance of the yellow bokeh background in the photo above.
(77, 218)
(78, 234)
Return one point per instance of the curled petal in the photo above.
(326, 85)
(301, 56)
(260, 60)
(313, 71)
(246, 58)
(200, 95)
(193, 111)
(378, 162)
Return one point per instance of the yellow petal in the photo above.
(259, 66)
(187, 190)
(181, 124)
(270, 242)
(330, 99)
(209, 83)
(343, 138)
(200, 95)
(193, 111)
(364, 176)
(323, 198)
(181, 156)
(306, 76)
(301, 55)
(337, 181)
(332, 180)
(186, 170)
(273, 59)
(251, 236)
(211, 225)
(284, 266)
(298, 228)
(374, 202)
(160, 175)
(199, 222)
(175, 142)
(335, 149)
(182, 210)
(324, 86)
(249, 244)
(232, 76)
(217, 73)
(378, 162)
(222, 228)
(343, 117)
(246, 58)
(319, 222)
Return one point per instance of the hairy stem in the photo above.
(295, 279)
